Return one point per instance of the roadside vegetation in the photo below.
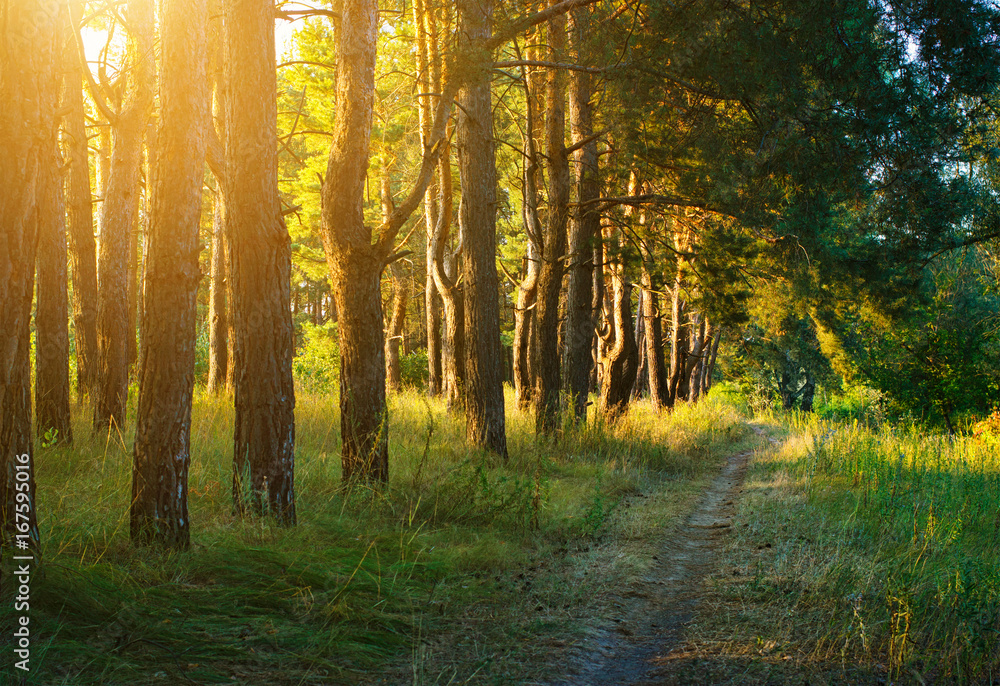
(462, 568)
(862, 552)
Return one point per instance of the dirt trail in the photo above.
(653, 613)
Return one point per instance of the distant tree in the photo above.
(162, 451)
(119, 217)
(52, 413)
(80, 215)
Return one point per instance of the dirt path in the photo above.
(653, 613)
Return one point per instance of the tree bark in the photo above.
(218, 319)
(424, 21)
(52, 303)
(162, 451)
(355, 264)
(80, 215)
(397, 312)
(484, 401)
(264, 455)
(119, 215)
(710, 370)
(654, 335)
(28, 52)
(553, 247)
(620, 358)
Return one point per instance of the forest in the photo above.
(480, 342)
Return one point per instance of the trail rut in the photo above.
(653, 613)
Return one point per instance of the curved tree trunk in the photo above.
(119, 216)
(80, 217)
(620, 358)
(166, 372)
(51, 314)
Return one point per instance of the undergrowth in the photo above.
(872, 552)
(369, 580)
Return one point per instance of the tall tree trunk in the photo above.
(119, 214)
(525, 326)
(355, 264)
(218, 324)
(264, 455)
(28, 89)
(697, 357)
(550, 276)
(80, 216)
(484, 401)
(583, 230)
(166, 371)
(641, 385)
(52, 303)
(424, 22)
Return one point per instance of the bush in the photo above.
(316, 366)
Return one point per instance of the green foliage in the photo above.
(316, 366)
(413, 368)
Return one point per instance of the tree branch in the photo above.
(549, 65)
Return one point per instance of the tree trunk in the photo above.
(400, 297)
(264, 455)
(642, 372)
(553, 244)
(620, 359)
(28, 88)
(397, 318)
(484, 401)
(678, 340)
(355, 264)
(218, 319)
(423, 21)
(119, 214)
(658, 390)
(80, 217)
(166, 377)
(51, 315)
(710, 371)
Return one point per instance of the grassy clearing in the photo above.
(859, 555)
(461, 571)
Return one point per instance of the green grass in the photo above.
(860, 555)
(462, 570)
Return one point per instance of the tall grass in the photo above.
(366, 574)
(886, 547)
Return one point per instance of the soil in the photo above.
(635, 647)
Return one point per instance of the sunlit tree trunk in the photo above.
(620, 355)
(162, 453)
(52, 304)
(355, 264)
(484, 401)
(119, 216)
(80, 216)
(424, 21)
(264, 454)
(400, 298)
(28, 91)
(218, 319)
